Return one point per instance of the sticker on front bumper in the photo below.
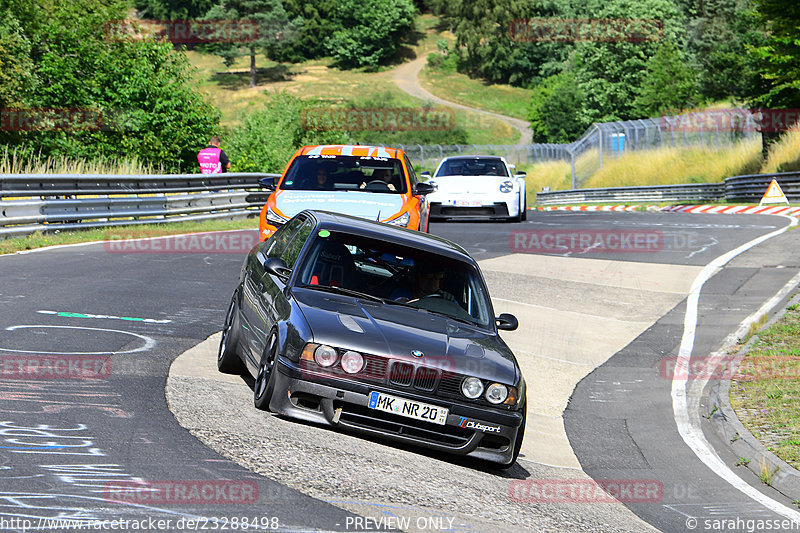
(408, 408)
(471, 424)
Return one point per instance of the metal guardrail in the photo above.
(32, 202)
(751, 188)
(746, 189)
(702, 192)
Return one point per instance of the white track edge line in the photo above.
(691, 434)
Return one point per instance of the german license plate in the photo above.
(468, 203)
(408, 408)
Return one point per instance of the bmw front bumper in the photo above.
(469, 430)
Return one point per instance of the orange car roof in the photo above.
(352, 149)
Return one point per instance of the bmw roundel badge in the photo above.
(417, 353)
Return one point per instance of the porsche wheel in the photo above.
(227, 360)
(265, 379)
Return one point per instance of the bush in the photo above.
(268, 137)
(371, 31)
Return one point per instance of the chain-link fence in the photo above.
(715, 128)
(429, 156)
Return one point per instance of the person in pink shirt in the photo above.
(212, 159)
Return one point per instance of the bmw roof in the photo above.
(401, 236)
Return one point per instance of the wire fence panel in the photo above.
(715, 129)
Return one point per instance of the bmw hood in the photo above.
(401, 332)
(368, 205)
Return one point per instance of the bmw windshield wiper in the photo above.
(342, 290)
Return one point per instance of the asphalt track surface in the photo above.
(64, 444)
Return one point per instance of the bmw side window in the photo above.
(292, 251)
(283, 236)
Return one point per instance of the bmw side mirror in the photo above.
(425, 174)
(277, 267)
(422, 189)
(507, 321)
(267, 183)
(521, 174)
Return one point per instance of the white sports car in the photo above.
(477, 186)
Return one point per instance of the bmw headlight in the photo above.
(325, 356)
(352, 362)
(506, 186)
(496, 393)
(472, 388)
(402, 220)
(275, 218)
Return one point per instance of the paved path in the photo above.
(406, 77)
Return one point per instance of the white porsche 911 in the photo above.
(477, 186)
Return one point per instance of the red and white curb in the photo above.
(708, 209)
(735, 209)
(598, 208)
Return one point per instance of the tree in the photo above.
(173, 9)
(669, 86)
(271, 30)
(370, 31)
(17, 78)
(779, 57)
(555, 110)
(141, 88)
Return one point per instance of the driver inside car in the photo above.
(427, 284)
(381, 175)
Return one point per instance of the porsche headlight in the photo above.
(506, 186)
(472, 388)
(496, 393)
(402, 220)
(275, 218)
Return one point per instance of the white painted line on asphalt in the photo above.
(688, 425)
(148, 341)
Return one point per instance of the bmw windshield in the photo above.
(396, 274)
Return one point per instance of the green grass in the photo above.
(40, 240)
(460, 88)
(229, 89)
(765, 393)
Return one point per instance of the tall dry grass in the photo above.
(553, 174)
(674, 165)
(14, 162)
(784, 155)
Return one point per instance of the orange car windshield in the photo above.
(345, 173)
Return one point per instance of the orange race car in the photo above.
(370, 182)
